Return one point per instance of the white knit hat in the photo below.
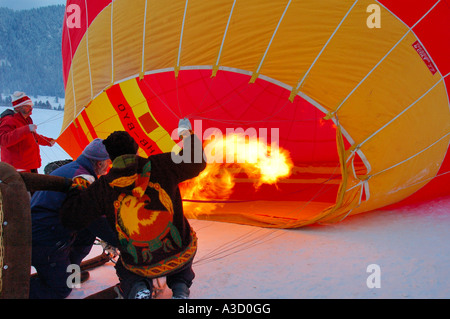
(20, 98)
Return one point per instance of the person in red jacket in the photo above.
(18, 138)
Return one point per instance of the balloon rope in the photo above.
(232, 95)
(243, 242)
(295, 213)
(178, 98)
(164, 103)
(52, 118)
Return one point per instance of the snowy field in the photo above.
(409, 246)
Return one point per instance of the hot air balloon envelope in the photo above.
(349, 98)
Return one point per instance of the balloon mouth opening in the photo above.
(298, 174)
(229, 110)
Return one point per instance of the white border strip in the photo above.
(233, 70)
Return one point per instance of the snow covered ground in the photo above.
(409, 246)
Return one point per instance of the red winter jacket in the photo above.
(19, 146)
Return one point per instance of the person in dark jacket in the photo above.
(55, 247)
(19, 140)
(141, 199)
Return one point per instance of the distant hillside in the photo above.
(30, 51)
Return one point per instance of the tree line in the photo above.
(6, 101)
(30, 51)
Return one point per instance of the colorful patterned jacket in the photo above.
(141, 199)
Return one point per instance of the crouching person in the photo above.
(55, 247)
(142, 202)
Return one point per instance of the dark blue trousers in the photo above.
(51, 259)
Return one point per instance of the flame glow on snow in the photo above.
(227, 157)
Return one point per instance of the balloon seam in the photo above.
(273, 36)
(325, 45)
(215, 67)
(112, 42)
(402, 112)
(386, 55)
(87, 49)
(181, 39)
(143, 41)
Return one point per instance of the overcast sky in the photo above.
(28, 4)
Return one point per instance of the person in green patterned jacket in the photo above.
(141, 200)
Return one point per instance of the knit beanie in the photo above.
(19, 99)
(96, 150)
(120, 143)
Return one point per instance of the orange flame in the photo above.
(227, 157)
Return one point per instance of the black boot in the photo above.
(180, 291)
(140, 290)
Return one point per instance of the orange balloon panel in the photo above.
(347, 99)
